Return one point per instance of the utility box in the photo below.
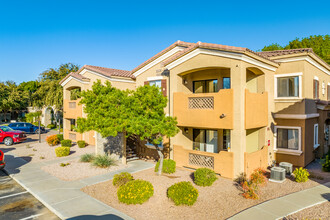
(277, 174)
(287, 166)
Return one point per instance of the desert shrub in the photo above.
(258, 177)
(62, 151)
(300, 175)
(135, 192)
(52, 140)
(183, 193)
(204, 177)
(64, 164)
(60, 137)
(241, 178)
(66, 143)
(51, 126)
(86, 158)
(81, 144)
(250, 190)
(103, 161)
(168, 166)
(122, 178)
(326, 164)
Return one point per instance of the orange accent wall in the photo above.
(256, 110)
(205, 118)
(72, 113)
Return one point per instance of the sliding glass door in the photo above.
(205, 140)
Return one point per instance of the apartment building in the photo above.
(237, 110)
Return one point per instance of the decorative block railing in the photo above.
(201, 160)
(201, 103)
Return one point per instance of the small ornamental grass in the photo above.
(135, 192)
(183, 193)
(66, 143)
(62, 151)
(300, 175)
(103, 161)
(52, 140)
(204, 177)
(122, 178)
(86, 158)
(168, 166)
(81, 144)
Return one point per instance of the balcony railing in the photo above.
(72, 109)
(256, 109)
(205, 110)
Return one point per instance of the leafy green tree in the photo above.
(319, 43)
(29, 88)
(141, 112)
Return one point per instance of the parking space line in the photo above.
(16, 194)
(31, 217)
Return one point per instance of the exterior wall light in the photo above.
(222, 115)
(186, 130)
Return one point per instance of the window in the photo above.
(205, 86)
(226, 83)
(288, 139)
(316, 136)
(72, 124)
(205, 140)
(156, 83)
(226, 139)
(315, 89)
(288, 86)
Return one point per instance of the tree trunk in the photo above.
(123, 158)
(161, 159)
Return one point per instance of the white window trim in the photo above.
(288, 151)
(299, 74)
(316, 142)
(155, 78)
(316, 78)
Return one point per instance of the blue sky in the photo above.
(36, 35)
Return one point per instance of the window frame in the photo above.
(286, 76)
(288, 151)
(204, 86)
(316, 137)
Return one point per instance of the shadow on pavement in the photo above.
(14, 163)
(88, 217)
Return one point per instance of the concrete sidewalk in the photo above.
(64, 198)
(286, 205)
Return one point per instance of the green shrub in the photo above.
(301, 175)
(122, 178)
(86, 158)
(81, 144)
(183, 193)
(60, 137)
(66, 143)
(135, 192)
(326, 164)
(103, 161)
(62, 151)
(51, 126)
(168, 166)
(204, 177)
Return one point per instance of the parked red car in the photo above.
(2, 160)
(9, 136)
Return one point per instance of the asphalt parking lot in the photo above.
(17, 203)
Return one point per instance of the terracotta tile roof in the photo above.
(109, 72)
(75, 75)
(199, 44)
(276, 53)
(178, 43)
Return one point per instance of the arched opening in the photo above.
(49, 116)
(255, 80)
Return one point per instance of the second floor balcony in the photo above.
(72, 109)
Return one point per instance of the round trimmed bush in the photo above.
(204, 177)
(135, 192)
(122, 178)
(52, 140)
(60, 137)
(301, 175)
(183, 193)
(168, 166)
(66, 143)
(81, 144)
(62, 151)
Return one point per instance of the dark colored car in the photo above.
(2, 160)
(9, 136)
(26, 127)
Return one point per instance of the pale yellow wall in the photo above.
(252, 140)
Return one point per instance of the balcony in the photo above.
(256, 110)
(72, 109)
(204, 110)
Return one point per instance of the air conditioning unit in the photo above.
(277, 174)
(287, 166)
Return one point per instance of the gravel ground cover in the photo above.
(321, 211)
(38, 152)
(78, 170)
(219, 201)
